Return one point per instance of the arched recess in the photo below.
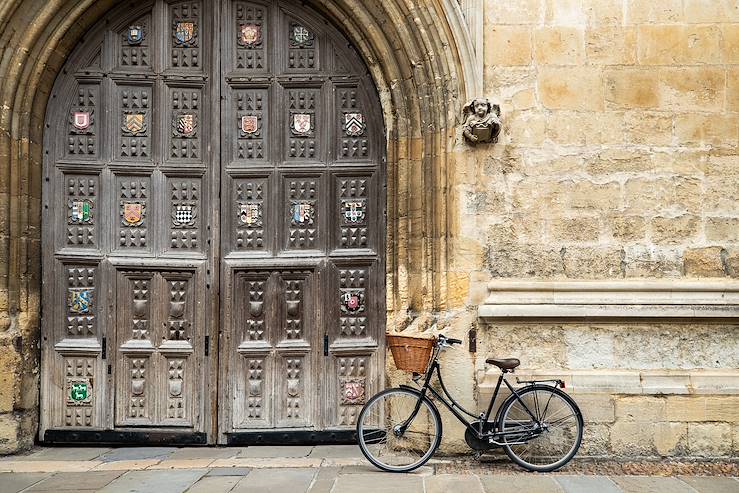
(421, 60)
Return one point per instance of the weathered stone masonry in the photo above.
(618, 160)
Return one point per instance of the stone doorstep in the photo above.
(646, 382)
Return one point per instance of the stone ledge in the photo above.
(636, 298)
(637, 382)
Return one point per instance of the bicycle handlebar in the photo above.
(449, 340)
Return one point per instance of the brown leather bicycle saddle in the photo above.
(505, 363)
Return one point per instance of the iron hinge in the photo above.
(325, 345)
(104, 354)
(207, 345)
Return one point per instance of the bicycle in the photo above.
(539, 426)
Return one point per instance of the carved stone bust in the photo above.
(481, 121)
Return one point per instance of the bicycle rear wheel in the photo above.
(547, 442)
(396, 432)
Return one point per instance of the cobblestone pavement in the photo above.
(331, 469)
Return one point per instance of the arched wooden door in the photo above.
(213, 229)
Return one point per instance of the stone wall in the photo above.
(618, 160)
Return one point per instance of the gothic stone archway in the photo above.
(417, 56)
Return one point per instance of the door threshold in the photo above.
(292, 437)
(114, 437)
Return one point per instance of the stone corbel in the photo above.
(481, 122)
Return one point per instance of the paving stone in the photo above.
(183, 464)
(73, 481)
(67, 453)
(214, 484)
(127, 465)
(325, 480)
(523, 483)
(337, 451)
(653, 484)
(205, 453)
(379, 482)
(276, 451)
(48, 465)
(706, 484)
(13, 482)
(266, 462)
(271, 481)
(137, 453)
(175, 481)
(229, 471)
(444, 483)
(587, 484)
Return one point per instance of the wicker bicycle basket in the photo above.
(410, 353)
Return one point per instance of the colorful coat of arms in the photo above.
(250, 34)
(352, 391)
(250, 213)
(185, 124)
(81, 211)
(81, 120)
(78, 391)
(135, 35)
(133, 213)
(184, 32)
(300, 36)
(134, 123)
(352, 300)
(302, 123)
(302, 212)
(354, 211)
(80, 300)
(249, 124)
(354, 124)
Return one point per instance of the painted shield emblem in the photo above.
(80, 300)
(183, 215)
(302, 123)
(249, 124)
(250, 214)
(135, 35)
(134, 123)
(300, 34)
(353, 392)
(184, 31)
(81, 211)
(302, 212)
(133, 213)
(354, 211)
(81, 119)
(78, 391)
(352, 301)
(353, 124)
(185, 124)
(251, 34)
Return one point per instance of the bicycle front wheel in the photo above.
(398, 430)
(543, 429)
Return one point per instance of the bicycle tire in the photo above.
(504, 416)
(365, 426)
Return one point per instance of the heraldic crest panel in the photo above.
(213, 228)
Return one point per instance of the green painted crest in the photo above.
(78, 391)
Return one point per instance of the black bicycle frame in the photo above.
(455, 408)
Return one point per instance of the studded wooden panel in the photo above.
(79, 391)
(82, 201)
(132, 213)
(252, 124)
(252, 36)
(133, 46)
(83, 126)
(184, 213)
(303, 124)
(249, 214)
(186, 132)
(186, 36)
(351, 125)
(302, 212)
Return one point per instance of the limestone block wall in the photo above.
(618, 160)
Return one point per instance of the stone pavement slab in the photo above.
(215, 484)
(48, 465)
(182, 464)
(154, 481)
(269, 463)
(525, 483)
(652, 484)
(379, 483)
(137, 453)
(15, 482)
(444, 483)
(277, 451)
(337, 451)
(229, 471)
(271, 481)
(74, 481)
(324, 480)
(67, 453)
(127, 465)
(587, 484)
(704, 484)
(204, 453)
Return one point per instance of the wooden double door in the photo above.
(213, 228)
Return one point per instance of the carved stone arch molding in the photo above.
(423, 64)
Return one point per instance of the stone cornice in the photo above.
(638, 298)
